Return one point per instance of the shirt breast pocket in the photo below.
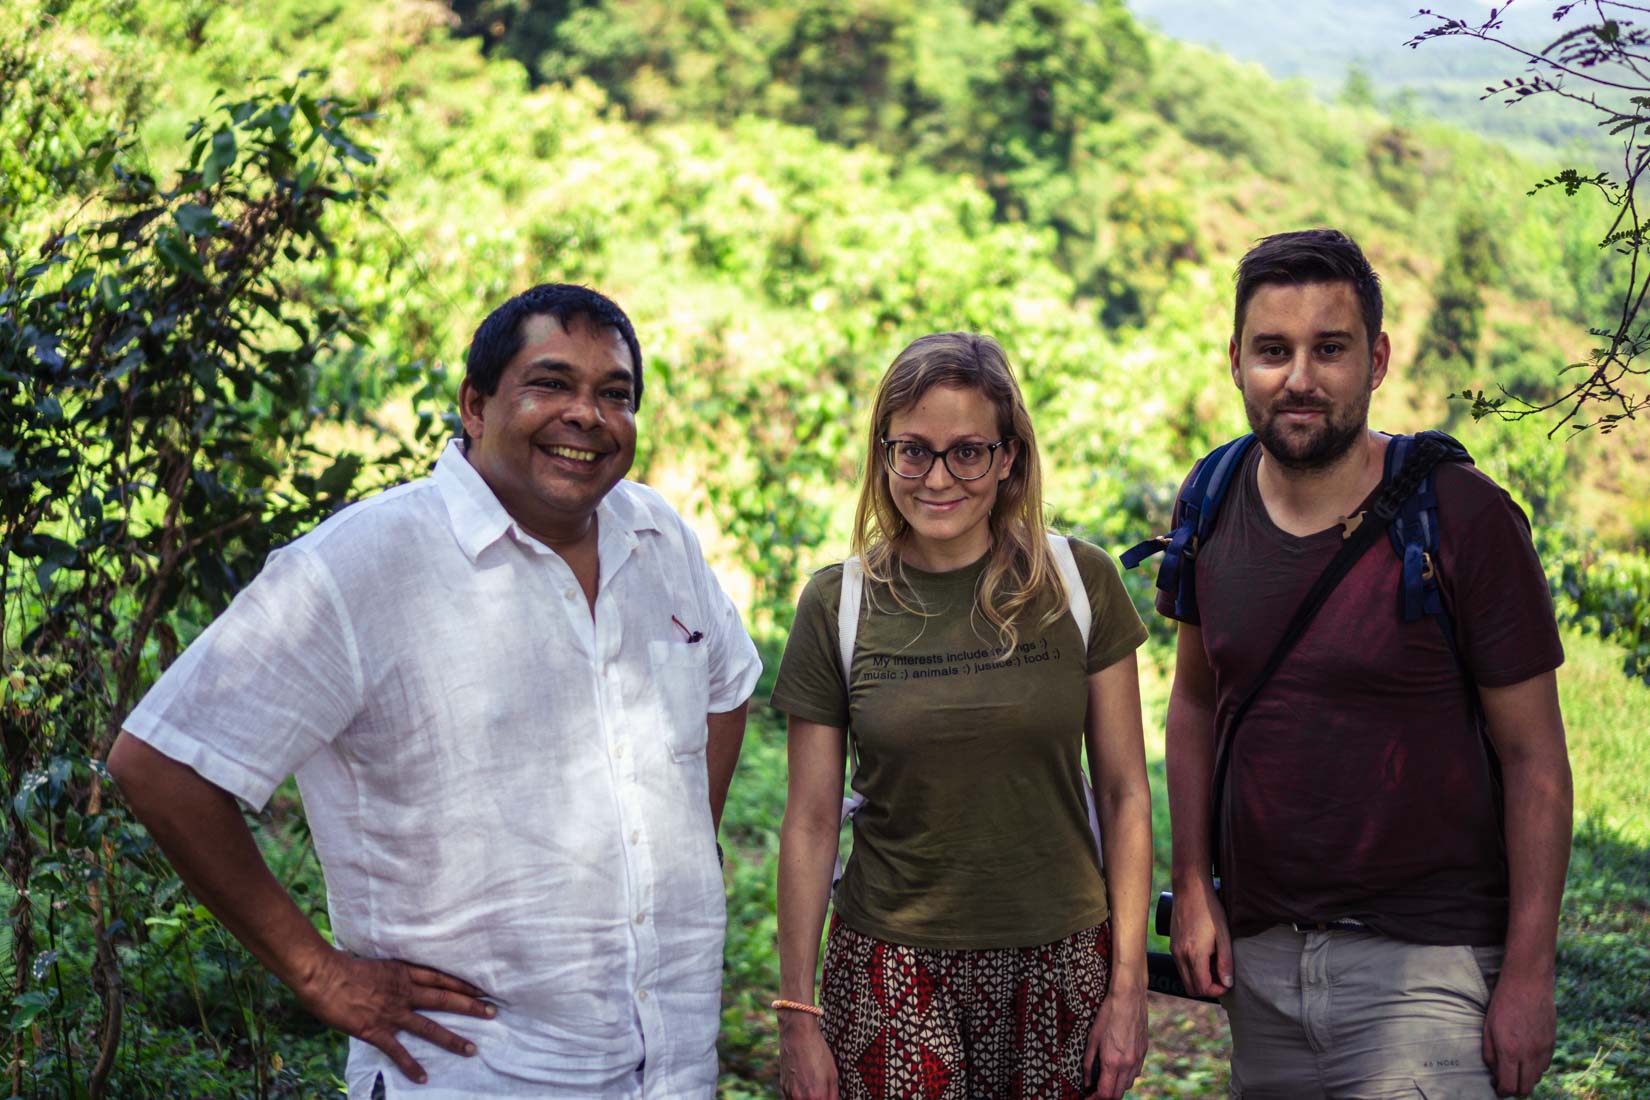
(681, 690)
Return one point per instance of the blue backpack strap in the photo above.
(1414, 536)
(1414, 533)
(1196, 510)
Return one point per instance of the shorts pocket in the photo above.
(1489, 961)
(1475, 980)
(1469, 1087)
(681, 691)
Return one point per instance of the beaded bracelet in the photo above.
(798, 1006)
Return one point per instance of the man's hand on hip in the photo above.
(374, 999)
(201, 830)
(1519, 1031)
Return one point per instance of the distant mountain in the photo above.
(1326, 42)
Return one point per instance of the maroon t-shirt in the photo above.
(1359, 785)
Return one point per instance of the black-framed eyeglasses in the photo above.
(964, 461)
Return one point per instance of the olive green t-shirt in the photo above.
(974, 831)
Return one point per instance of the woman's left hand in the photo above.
(1118, 1039)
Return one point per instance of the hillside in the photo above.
(1345, 49)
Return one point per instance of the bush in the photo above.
(157, 439)
(1608, 594)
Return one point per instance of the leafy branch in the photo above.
(1601, 57)
(160, 358)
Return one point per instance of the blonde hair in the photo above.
(1020, 575)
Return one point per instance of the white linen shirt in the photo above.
(498, 786)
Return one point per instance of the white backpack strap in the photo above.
(847, 615)
(847, 632)
(1078, 595)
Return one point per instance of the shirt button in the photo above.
(641, 918)
(618, 751)
(641, 995)
(635, 835)
(572, 593)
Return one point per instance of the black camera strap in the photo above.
(1363, 531)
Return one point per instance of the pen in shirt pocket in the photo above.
(693, 636)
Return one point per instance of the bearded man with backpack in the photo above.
(1364, 743)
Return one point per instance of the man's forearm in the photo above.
(1538, 827)
(1527, 730)
(200, 829)
(1189, 760)
(725, 738)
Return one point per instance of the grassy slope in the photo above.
(1604, 950)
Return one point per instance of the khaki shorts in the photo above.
(1358, 1016)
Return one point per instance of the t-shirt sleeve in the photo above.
(734, 663)
(1115, 629)
(1493, 581)
(811, 684)
(1161, 600)
(272, 681)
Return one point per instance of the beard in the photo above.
(1308, 447)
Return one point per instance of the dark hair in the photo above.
(498, 339)
(1309, 256)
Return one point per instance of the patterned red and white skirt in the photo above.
(911, 1023)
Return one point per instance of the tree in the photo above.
(158, 436)
(1359, 90)
(1449, 344)
(1601, 63)
(999, 89)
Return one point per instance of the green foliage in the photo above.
(1359, 89)
(1603, 963)
(1609, 594)
(1603, 983)
(1144, 234)
(1450, 342)
(749, 1037)
(50, 135)
(1520, 359)
(157, 440)
(1581, 63)
(1000, 89)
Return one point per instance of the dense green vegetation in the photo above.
(1351, 51)
(782, 196)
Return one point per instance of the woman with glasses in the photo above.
(976, 949)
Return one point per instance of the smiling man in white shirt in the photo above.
(513, 695)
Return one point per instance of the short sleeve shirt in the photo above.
(499, 785)
(974, 830)
(1359, 785)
